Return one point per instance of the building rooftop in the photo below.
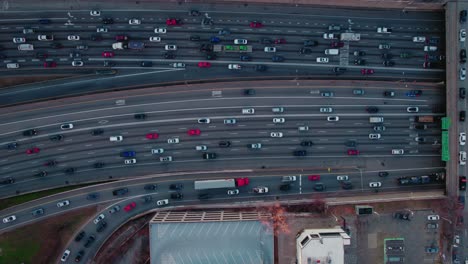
(321, 246)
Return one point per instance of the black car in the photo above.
(339, 70)
(266, 41)
(300, 153)
(249, 91)
(307, 143)
(30, 132)
(44, 21)
(211, 56)
(387, 56)
(372, 109)
(206, 47)
(92, 196)
(169, 56)
(462, 116)
(56, 137)
(224, 144)
(305, 51)
(319, 187)
(402, 216)
(209, 156)
(79, 256)
(350, 143)
(70, 170)
(260, 67)
(147, 199)
(388, 63)
(204, 196)
(109, 64)
(245, 58)
(90, 241)
(98, 165)
(277, 58)
(96, 37)
(346, 185)
(383, 174)
(359, 53)
(41, 174)
(107, 20)
(140, 116)
(463, 55)
(97, 132)
(177, 195)
(176, 186)
(12, 145)
(195, 38)
(194, 12)
(101, 226)
(8, 180)
(146, 64)
(462, 93)
(50, 163)
(310, 43)
(462, 16)
(80, 236)
(150, 187)
(359, 62)
(285, 187)
(121, 191)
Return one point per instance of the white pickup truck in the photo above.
(384, 30)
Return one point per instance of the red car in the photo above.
(152, 135)
(108, 54)
(129, 207)
(194, 132)
(256, 24)
(337, 44)
(353, 152)
(33, 150)
(242, 181)
(50, 64)
(314, 177)
(367, 71)
(121, 37)
(204, 64)
(280, 41)
(173, 22)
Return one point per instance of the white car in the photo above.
(77, 63)
(462, 35)
(342, 177)
(419, 39)
(233, 192)
(234, 67)
(116, 138)
(19, 40)
(398, 151)
(165, 159)
(203, 147)
(170, 47)
(9, 219)
(375, 184)
(462, 138)
(240, 41)
(412, 109)
(333, 118)
(157, 151)
(248, 111)
(134, 21)
(162, 202)
(260, 190)
(45, 37)
(73, 37)
(278, 120)
(129, 161)
(98, 219)
(63, 203)
(204, 121)
(433, 218)
(462, 73)
(95, 13)
(155, 39)
(374, 136)
(462, 157)
(65, 255)
(178, 65)
(256, 146)
(12, 65)
(173, 141)
(160, 30)
(322, 60)
(276, 134)
(102, 29)
(326, 109)
(329, 36)
(67, 126)
(269, 49)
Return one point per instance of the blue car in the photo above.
(127, 154)
(414, 93)
(215, 40)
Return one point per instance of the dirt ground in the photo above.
(12, 81)
(42, 242)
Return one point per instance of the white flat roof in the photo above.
(321, 246)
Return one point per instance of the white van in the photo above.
(25, 47)
(332, 51)
(12, 65)
(376, 119)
